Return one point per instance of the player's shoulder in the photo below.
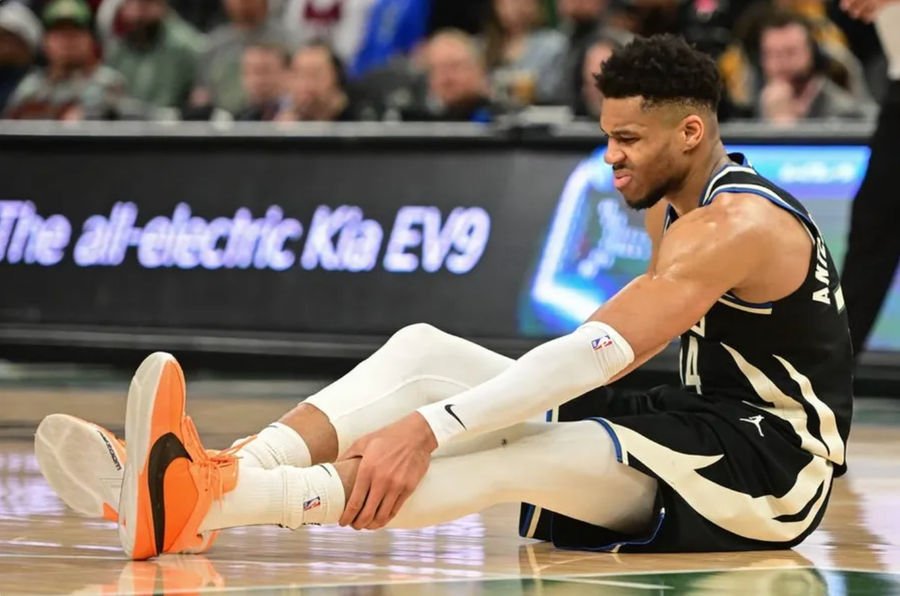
(726, 240)
(735, 214)
(747, 206)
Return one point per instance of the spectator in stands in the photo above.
(20, 37)
(220, 66)
(458, 84)
(317, 87)
(264, 71)
(848, 71)
(740, 65)
(794, 86)
(157, 53)
(524, 59)
(73, 86)
(590, 100)
(340, 23)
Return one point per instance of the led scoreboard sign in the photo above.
(336, 239)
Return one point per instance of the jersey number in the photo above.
(691, 376)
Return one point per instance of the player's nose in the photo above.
(613, 154)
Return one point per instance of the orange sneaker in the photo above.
(83, 462)
(170, 481)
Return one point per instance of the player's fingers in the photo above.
(357, 495)
(373, 500)
(383, 515)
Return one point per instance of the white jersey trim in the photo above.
(757, 310)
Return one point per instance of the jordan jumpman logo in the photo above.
(755, 420)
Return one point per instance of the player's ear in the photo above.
(692, 130)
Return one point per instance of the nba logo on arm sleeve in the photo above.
(604, 341)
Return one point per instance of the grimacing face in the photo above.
(644, 149)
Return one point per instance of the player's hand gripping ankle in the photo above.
(394, 460)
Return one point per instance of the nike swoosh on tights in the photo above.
(165, 450)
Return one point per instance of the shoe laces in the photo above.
(210, 464)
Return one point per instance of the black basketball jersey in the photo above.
(790, 358)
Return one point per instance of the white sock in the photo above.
(285, 496)
(276, 445)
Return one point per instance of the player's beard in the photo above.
(650, 198)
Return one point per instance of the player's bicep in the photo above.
(699, 259)
(654, 309)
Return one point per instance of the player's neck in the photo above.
(686, 198)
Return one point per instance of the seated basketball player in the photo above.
(432, 427)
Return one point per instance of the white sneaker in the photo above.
(84, 463)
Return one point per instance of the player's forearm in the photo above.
(545, 377)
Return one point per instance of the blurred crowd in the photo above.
(412, 60)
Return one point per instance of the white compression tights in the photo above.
(568, 468)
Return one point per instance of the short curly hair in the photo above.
(661, 69)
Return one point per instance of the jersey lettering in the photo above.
(821, 294)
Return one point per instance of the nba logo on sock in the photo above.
(312, 503)
(601, 342)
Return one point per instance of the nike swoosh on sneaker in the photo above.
(109, 448)
(165, 450)
(449, 411)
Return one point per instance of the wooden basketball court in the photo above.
(46, 549)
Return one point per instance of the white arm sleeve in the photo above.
(545, 377)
